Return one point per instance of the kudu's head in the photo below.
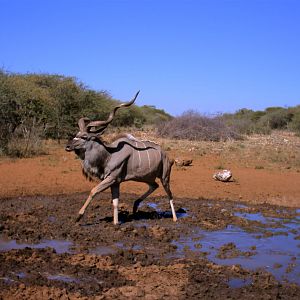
(91, 130)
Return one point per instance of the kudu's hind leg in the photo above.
(106, 183)
(115, 193)
(166, 186)
(152, 187)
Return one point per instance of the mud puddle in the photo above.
(62, 277)
(59, 246)
(180, 212)
(238, 282)
(276, 250)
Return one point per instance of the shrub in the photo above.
(193, 126)
(295, 123)
(248, 121)
(154, 115)
(25, 144)
(278, 118)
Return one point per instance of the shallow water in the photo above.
(291, 224)
(21, 275)
(52, 219)
(154, 206)
(60, 246)
(104, 250)
(238, 282)
(255, 217)
(180, 213)
(278, 252)
(62, 277)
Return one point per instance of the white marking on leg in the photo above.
(115, 207)
(173, 210)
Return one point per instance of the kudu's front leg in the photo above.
(106, 183)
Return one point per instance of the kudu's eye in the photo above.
(81, 136)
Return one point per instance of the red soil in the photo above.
(59, 172)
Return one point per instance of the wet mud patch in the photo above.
(257, 237)
(216, 248)
(58, 246)
(46, 268)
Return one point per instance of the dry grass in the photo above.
(278, 150)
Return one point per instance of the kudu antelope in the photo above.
(124, 159)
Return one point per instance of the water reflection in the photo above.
(277, 249)
(60, 246)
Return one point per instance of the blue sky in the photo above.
(212, 56)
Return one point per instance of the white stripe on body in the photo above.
(156, 159)
(140, 160)
(149, 163)
(132, 162)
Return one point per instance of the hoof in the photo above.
(78, 218)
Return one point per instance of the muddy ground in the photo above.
(234, 240)
(45, 255)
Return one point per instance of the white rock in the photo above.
(224, 175)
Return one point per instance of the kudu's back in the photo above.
(145, 161)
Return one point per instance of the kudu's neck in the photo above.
(97, 152)
(94, 159)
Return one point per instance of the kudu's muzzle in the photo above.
(69, 147)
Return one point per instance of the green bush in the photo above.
(153, 115)
(277, 118)
(295, 123)
(248, 121)
(49, 106)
